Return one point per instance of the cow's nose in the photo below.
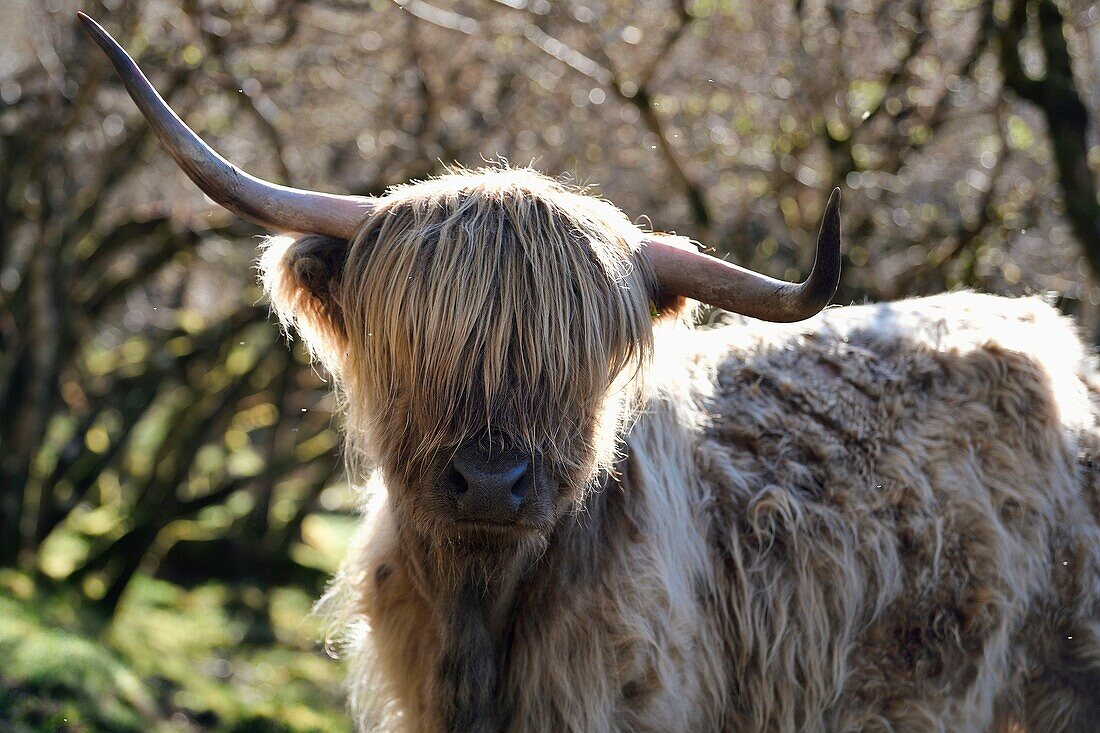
(489, 489)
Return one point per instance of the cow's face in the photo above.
(487, 329)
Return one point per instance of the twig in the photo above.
(969, 232)
(255, 102)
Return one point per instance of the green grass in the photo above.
(210, 658)
(216, 657)
(234, 655)
(54, 680)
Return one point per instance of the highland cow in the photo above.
(588, 515)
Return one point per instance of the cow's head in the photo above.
(485, 327)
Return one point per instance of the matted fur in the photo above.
(883, 519)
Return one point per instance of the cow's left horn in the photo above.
(268, 204)
(710, 280)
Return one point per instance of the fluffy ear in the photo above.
(302, 278)
(664, 305)
(669, 306)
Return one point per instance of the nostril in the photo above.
(456, 481)
(512, 477)
(521, 484)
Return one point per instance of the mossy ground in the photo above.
(214, 657)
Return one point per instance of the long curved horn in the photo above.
(715, 282)
(268, 204)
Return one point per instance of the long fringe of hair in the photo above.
(495, 304)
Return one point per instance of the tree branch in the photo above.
(1066, 115)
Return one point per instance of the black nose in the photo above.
(489, 488)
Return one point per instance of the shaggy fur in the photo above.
(883, 519)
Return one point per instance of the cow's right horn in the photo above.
(270, 205)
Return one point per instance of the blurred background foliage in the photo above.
(171, 491)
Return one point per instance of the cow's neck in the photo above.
(467, 671)
(477, 617)
(470, 600)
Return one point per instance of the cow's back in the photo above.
(900, 496)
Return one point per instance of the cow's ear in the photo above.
(666, 306)
(302, 279)
(663, 305)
